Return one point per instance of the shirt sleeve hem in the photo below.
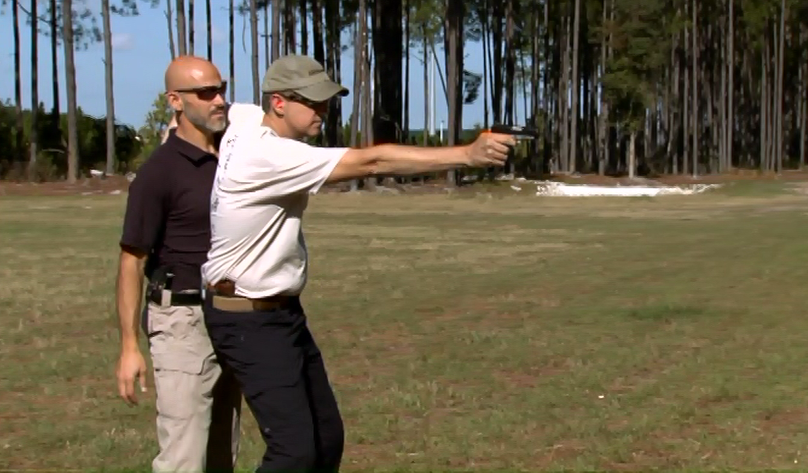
(327, 172)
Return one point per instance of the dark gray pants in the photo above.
(283, 378)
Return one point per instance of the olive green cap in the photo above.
(302, 75)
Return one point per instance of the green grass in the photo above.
(470, 332)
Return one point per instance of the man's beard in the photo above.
(211, 124)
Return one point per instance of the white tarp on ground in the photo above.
(550, 188)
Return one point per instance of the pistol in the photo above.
(159, 288)
(520, 132)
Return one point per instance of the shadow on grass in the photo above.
(666, 312)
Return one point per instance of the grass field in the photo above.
(472, 332)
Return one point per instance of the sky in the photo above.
(141, 54)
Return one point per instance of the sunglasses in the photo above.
(293, 97)
(206, 93)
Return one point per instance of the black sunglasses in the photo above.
(206, 92)
(294, 97)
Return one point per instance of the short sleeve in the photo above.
(145, 208)
(278, 166)
(244, 113)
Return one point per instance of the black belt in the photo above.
(179, 298)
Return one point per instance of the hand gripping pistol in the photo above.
(518, 131)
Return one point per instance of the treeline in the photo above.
(52, 162)
(613, 86)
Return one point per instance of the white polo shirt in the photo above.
(261, 189)
(241, 113)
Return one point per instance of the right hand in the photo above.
(490, 149)
(131, 366)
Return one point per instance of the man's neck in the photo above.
(278, 126)
(196, 137)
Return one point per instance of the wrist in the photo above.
(465, 155)
(129, 345)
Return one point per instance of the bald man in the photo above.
(166, 236)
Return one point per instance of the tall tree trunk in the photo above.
(231, 45)
(317, 26)
(454, 74)
(172, 49)
(34, 135)
(359, 62)
(674, 116)
(564, 105)
(182, 37)
(304, 29)
(427, 111)
(548, 127)
(764, 105)
(686, 97)
(731, 85)
(19, 136)
(405, 128)
(254, 52)
(587, 99)
(56, 118)
(289, 41)
(496, 61)
(70, 85)
(535, 86)
(573, 156)
(267, 33)
(191, 33)
(110, 168)
(388, 52)
(276, 28)
(367, 102)
(723, 158)
(707, 80)
(486, 45)
(695, 96)
(337, 104)
(333, 52)
(780, 73)
(510, 62)
(604, 105)
(803, 124)
(209, 31)
(632, 154)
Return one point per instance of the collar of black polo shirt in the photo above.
(187, 149)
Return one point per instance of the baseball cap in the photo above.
(302, 75)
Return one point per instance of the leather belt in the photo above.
(179, 299)
(225, 298)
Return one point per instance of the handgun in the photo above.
(520, 132)
(517, 131)
(159, 288)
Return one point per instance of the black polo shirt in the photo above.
(168, 210)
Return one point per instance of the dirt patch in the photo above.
(776, 420)
(108, 185)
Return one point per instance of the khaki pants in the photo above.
(198, 405)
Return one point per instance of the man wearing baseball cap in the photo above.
(257, 264)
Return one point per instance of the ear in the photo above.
(278, 104)
(174, 101)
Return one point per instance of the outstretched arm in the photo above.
(489, 149)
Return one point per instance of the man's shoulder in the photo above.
(244, 113)
(157, 167)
